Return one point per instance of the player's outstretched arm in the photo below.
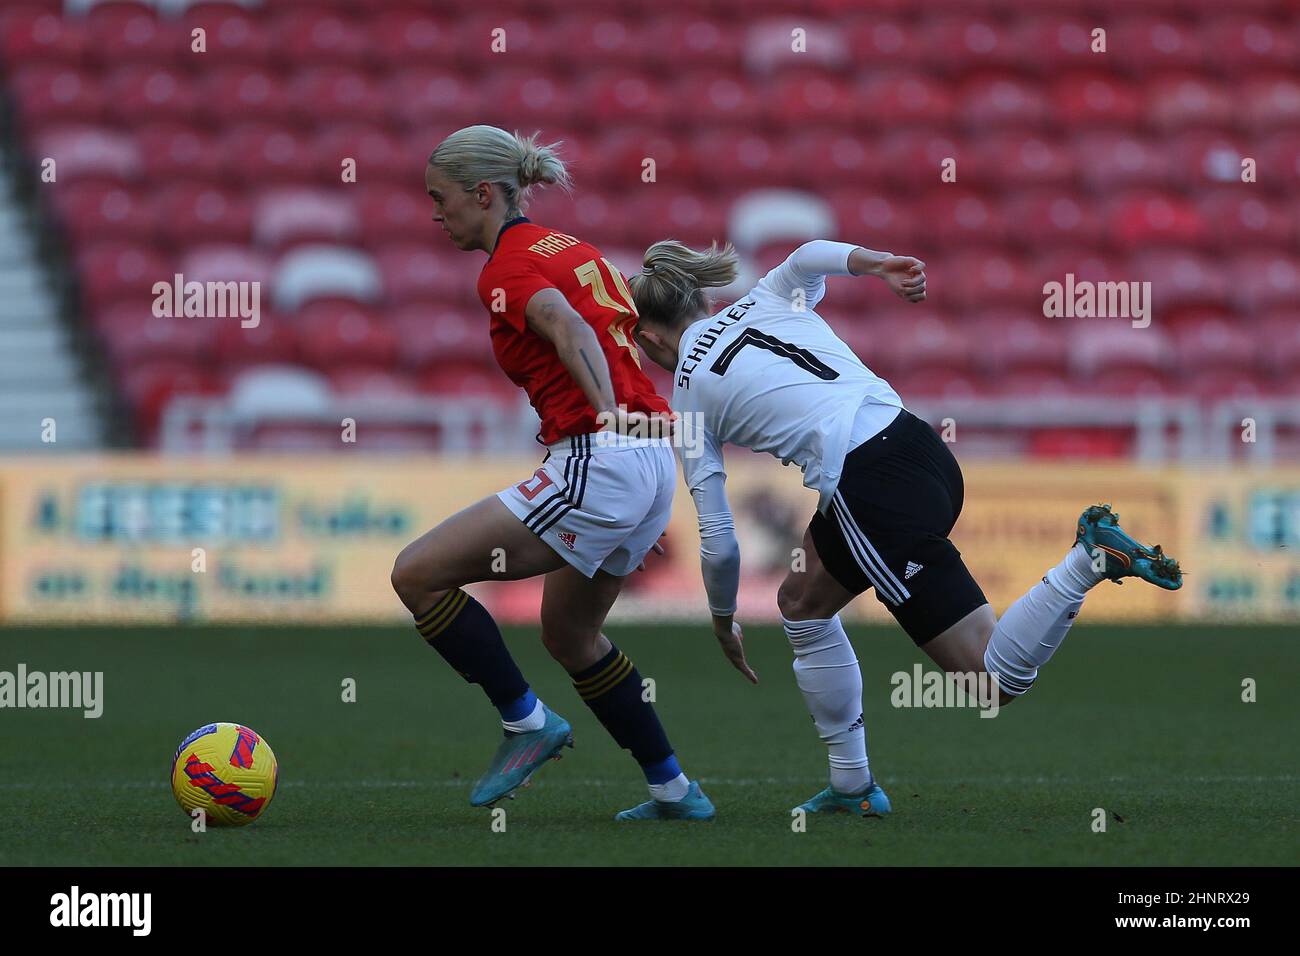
(905, 275)
(720, 566)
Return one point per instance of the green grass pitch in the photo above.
(1147, 723)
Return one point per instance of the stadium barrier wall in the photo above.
(293, 540)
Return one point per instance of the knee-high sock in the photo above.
(612, 689)
(827, 672)
(1031, 629)
(463, 632)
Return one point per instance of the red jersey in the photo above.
(528, 258)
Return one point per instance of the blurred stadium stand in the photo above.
(226, 165)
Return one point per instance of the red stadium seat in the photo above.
(426, 271)
(33, 36)
(958, 38)
(336, 335)
(342, 93)
(893, 98)
(1279, 160)
(433, 97)
(178, 151)
(273, 341)
(1017, 160)
(993, 99)
(95, 211)
(233, 35)
(1051, 42)
(1182, 277)
(1239, 42)
(709, 96)
(269, 154)
(122, 33)
(431, 333)
(828, 159)
(694, 35)
(1274, 278)
(617, 159)
(1018, 343)
(185, 213)
(1088, 100)
(112, 271)
(412, 36)
(1053, 218)
(957, 216)
(880, 215)
(1112, 159)
(1271, 101)
(1277, 338)
(1181, 100)
(980, 280)
(1200, 157)
(316, 37)
(1214, 344)
(1144, 218)
(145, 93)
(247, 92)
(1156, 44)
(479, 382)
(742, 160)
(150, 338)
(1237, 216)
(391, 213)
(45, 95)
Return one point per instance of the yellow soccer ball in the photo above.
(227, 771)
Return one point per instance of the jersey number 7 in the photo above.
(801, 357)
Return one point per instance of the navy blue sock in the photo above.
(612, 689)
(519, 709)
(463, 632)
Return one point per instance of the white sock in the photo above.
(672, 791)
(1031, 629)
(826, 670)
(534, 721)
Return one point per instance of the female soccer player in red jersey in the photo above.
(561, 317)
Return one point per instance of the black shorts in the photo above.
(887, 527)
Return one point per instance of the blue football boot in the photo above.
(1099, 530)
(872, 802)
(694, 806)
(519, 756)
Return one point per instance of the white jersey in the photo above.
(769, 374)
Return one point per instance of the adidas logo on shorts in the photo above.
(912, 568)
(569, 539)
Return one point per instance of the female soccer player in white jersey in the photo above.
(559, 314)
(768, 374)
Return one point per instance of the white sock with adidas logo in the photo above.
(1030, 630)
(827, 672)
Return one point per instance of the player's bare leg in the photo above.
(484, 541)
(830, 680)
(574, 608)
